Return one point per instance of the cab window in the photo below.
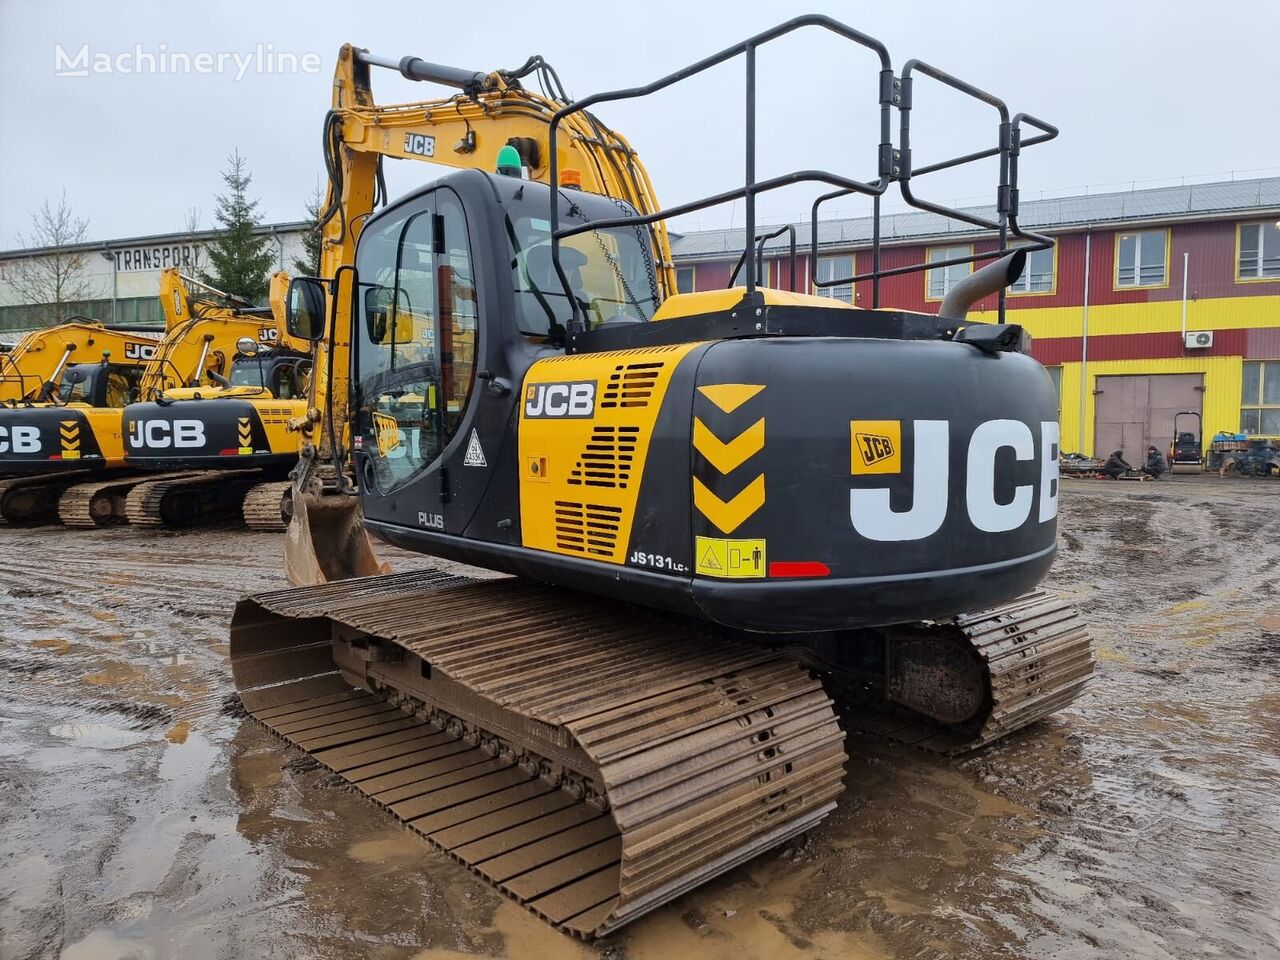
(611, 272)
(416, 330)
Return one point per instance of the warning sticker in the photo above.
(729, 559)
(877, 446)
(475, 452)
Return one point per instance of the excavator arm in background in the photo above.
(186, 356)
(326, 539)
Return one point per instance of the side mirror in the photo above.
(304, 313)
(74, 375)
(247, 347)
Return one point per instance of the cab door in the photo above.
(416, 342)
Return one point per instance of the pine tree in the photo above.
(309, 264)
(239, 261)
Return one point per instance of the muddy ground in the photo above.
(142, 816)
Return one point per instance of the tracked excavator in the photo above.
(32, 372)
(721, 511)
(224, 448)
(68, 462)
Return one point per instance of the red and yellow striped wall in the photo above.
(1130, 330)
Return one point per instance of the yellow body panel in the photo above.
(717, 301)
(580, 475)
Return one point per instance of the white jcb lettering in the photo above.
(1050, 441)
(984, 446)
(188, 433)
(582, 399)
(161, 434)
(157, 432)
(572, 399)
(556, 400)
(875, 519)
(19, 439)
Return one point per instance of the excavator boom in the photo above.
(492, 113)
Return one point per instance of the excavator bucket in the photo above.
(326, 541)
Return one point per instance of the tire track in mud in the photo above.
(1176, 766)
(1142, 822)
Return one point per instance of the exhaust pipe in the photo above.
(981, 283)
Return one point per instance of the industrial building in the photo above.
(121, 278)
(1153, 301)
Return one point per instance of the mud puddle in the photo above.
(143, 816)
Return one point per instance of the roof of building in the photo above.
(153, 240)
(1192, 201)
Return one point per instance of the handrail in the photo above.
(893, 164)
(761, 240)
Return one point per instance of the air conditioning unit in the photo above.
(1198, 339)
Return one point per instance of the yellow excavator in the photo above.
(720, 510)
(32, 371)
(69, 460)
(228, 440)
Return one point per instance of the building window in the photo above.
(1055, 374)
(942, 279)
(1142, 259)
(685, 279)
(1038, 274)
(1259, 246)
(835, 268)
(1260, 398)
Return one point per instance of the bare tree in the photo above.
(191, 227)
(56, 275)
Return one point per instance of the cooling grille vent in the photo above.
(631, 385)
(587, 528)
(607, 459)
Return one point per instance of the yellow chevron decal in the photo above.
(730, 396)
(243, 429)
(69, 431)
(728, 516)
(728, 456)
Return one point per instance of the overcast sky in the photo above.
(1143, 91)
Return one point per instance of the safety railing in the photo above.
(892, 164)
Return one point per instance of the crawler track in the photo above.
(591, 761)
(265, 506)
(102, 503)
(34, 499)
(211, 496)
(1034, 657)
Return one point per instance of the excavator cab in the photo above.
(100, 385)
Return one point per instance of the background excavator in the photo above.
(70, 463)
(721, 509)
(228, 439)
(32, 371)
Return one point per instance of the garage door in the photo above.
(1134, 412)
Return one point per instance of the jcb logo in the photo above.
(992, 507)
(877, 446)
(139, 351)
(268, 335)
(420, 144)
(573, 400)
(19, 439)
(162, 434)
